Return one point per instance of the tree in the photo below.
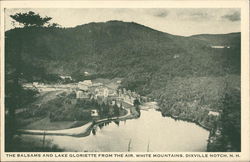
(136, 105)
(30, 19)
(121, 107)
(13, 72)
(116, 110)
(231, 119)
(105, 109)
(54, 25)
(136, 102)
(12, 94)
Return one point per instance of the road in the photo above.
(78, 131)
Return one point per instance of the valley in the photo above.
(189, 77)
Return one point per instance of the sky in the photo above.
(177, 21)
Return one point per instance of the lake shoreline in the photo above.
(96, 126)
(81, 133)
(186, 120)
(150, 126)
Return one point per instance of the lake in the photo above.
(151, 132)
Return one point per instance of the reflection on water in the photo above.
(117, 123)
(94, 131)
(150, 132)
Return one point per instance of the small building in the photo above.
(105, 92)
(86, 82)
(64, 77)
(97, 84)
(113, 102)
(102, 91)
(134, 94)
(86, 73)
(35, 84)
(94, 113)
(81, 94)
(119, 92)
(128, 99)
(112, 93)
(218, 132)
(28, 85)
(84, 85)
(213, 113)
(129, 92)
(176, 56)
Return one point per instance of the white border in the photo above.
(243, 4)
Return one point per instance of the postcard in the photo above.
(125, 80)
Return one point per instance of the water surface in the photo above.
(151, 132)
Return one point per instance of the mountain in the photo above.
(120, 49)
(231, 39)
(185, 75)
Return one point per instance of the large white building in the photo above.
(220, 46)
(84, 85)
(102, 91)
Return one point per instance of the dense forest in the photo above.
(120, 49)
(184, 74)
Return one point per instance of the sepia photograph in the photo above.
(122, 79)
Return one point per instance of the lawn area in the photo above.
(46, 124)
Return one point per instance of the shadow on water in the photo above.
(94, 129)
(117, 122)
(103, 124)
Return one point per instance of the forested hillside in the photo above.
(184, 74)
(119, 49)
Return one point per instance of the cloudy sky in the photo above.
(174, 21)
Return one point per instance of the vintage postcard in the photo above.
(125, 80)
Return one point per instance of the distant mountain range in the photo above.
(122, 49)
